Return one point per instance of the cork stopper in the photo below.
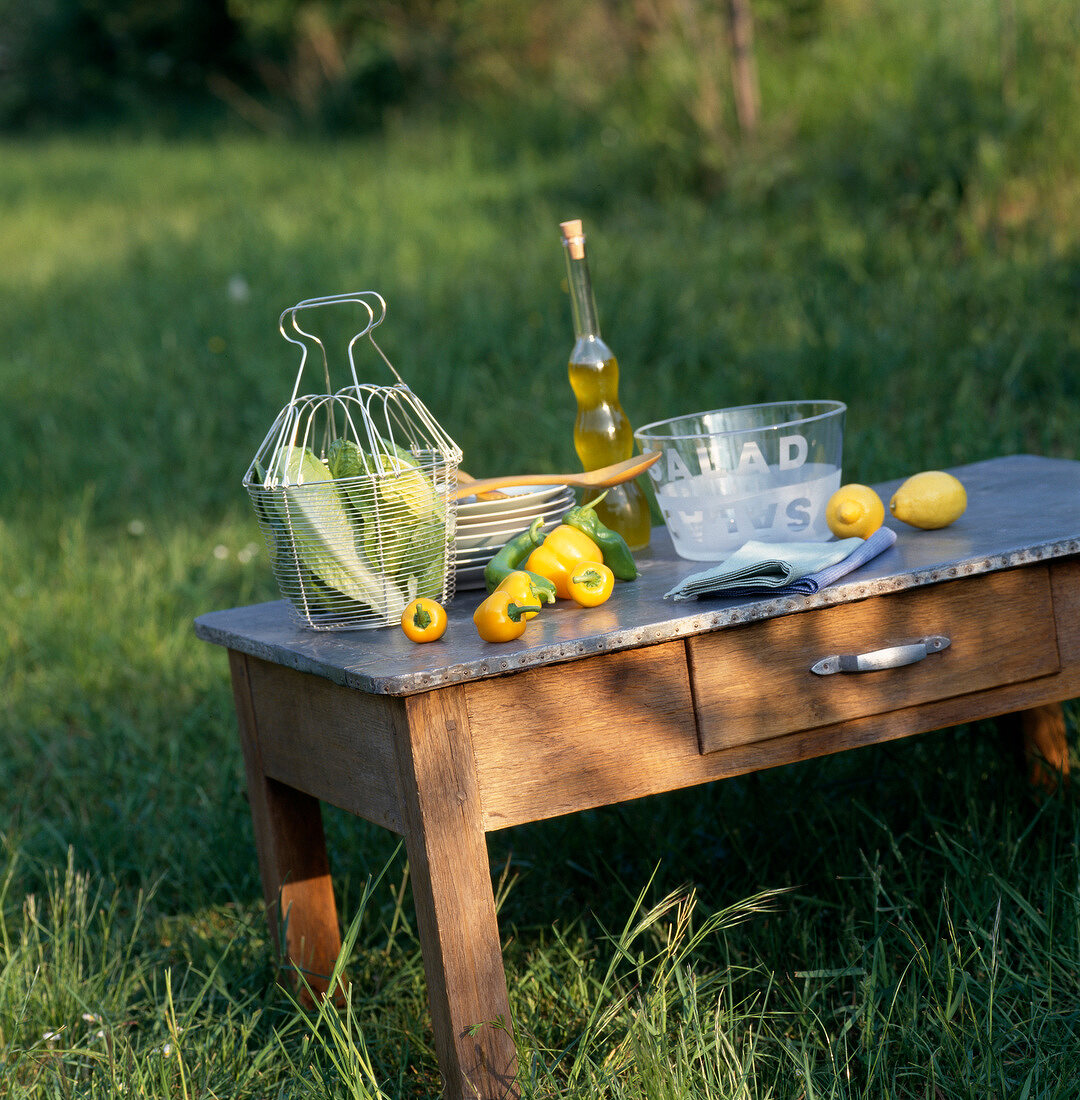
(574, 238)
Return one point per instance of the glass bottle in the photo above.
(602, 431)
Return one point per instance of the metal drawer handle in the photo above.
(893, 657)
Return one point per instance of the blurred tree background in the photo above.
(333, 65)
(674, 85)
(684, 71)
(337, 64)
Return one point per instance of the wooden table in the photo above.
(443, 743)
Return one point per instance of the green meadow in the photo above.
(901, 922)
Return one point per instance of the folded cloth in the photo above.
(783, 569)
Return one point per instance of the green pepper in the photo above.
(617, 555)
(510, 559)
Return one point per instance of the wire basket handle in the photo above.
(363, 298)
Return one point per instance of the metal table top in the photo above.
(1021, 509)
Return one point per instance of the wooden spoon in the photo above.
(491, 494)
(590, 479)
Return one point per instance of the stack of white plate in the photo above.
(485, 526)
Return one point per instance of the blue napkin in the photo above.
(783, 569)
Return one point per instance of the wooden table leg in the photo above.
(1045, 745)
(455, 904)
(293, 864)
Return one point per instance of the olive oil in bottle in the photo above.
(602, 432)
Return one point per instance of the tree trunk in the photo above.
(1007, 34)
(744, 74)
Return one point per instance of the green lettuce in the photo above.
(325, 534)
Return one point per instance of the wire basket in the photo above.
(352, 490)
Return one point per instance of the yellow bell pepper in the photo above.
(557, 555)
(424, 620)
(591, 583)
(500, 618)
(522, 587)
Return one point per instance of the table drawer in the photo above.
(752, 683)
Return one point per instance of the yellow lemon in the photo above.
(854, 511)
(929, 500)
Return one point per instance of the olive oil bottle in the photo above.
(602, 431)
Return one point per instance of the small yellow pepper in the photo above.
(591, 583)
(521, 586)
(424, 620)
(557, 555)
(500, 618)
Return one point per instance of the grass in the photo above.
(902, 922)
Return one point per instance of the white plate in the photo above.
(518, 515)
(471, 570)
(473, 567)
(473, 563)
(469, 582)
(491, 542)
(476, 560)
(463, 553)
(475, 570)
(483, 534)
(530, 508)
(526, 512)
(517, 496)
